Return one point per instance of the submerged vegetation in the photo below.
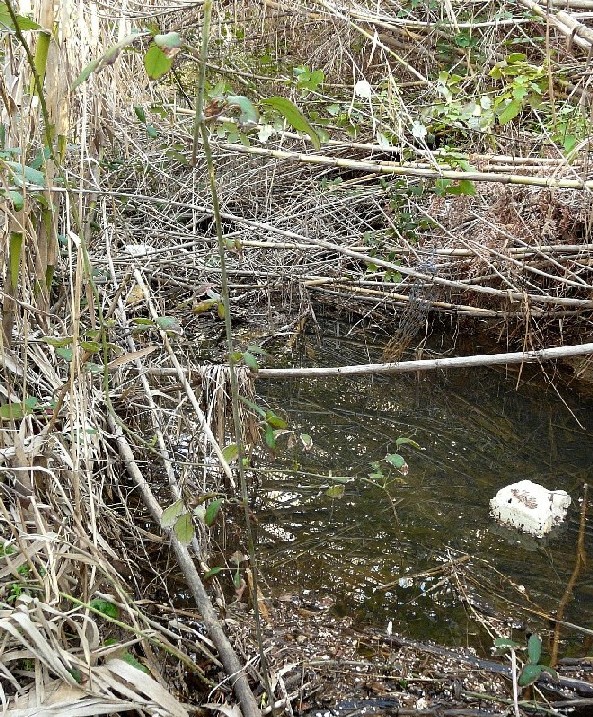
(185, 189)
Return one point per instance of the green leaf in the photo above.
(250, 361)
(30, 403)
(249, 114)
(529, 674)
(275, 421)
(294, 117)
(105, 607)
(270, 437)
(550, 670)
(212, 511)
(108, 58)
(18, 201)
(253, 406)
(237, 579)
(335, 491)
(307, 441)
(92, 347)
(169, 323)
(402, 441)
(184, 529)
(64, 353)
(13, 411)
(131, 660)
(23, 173)
(57, 342)
(396, 460)
(86, 72)
(212, 572)
(156, 63)
(534, 649)
(15, 247)
(257, 350)
(465, 187)
(511, 110)
(171, 513)
(230, 453)
(503, 642)
(23, 23)
(169, 41)
(140, 113)
(76, 675)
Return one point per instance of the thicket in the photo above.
(162, 178)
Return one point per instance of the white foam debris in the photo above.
(530, 507)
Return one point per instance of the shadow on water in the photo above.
(479, 432)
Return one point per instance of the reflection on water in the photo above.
(478, 433)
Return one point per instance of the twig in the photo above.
(578, 565)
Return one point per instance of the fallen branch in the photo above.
(402, 170)
(430, 364)
(228, 657)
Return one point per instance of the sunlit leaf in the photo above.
(105, 607)
(230, 453)
(212, 511)
(15, 247)
(307, 441)
(396, 460)
(23, 23)
(250, 361)
(56, 342)
(294, 117)
(169, 41)
(184, 529)
(402, 441)
(335, 491)
(92, 347)
(249, 115)
(275, 421)
(510, 112)
(156, 63)
(171, 513)
(14, 411)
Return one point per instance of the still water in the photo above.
(383, 559)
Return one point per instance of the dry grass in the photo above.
(299, 235)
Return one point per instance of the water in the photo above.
(478, 432)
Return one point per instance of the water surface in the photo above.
(479, 429)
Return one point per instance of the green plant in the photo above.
(532, 669)
(383, 478)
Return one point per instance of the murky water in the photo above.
(374, 555)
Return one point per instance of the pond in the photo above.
(384, 558)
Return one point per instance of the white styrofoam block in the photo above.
(530, 507)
